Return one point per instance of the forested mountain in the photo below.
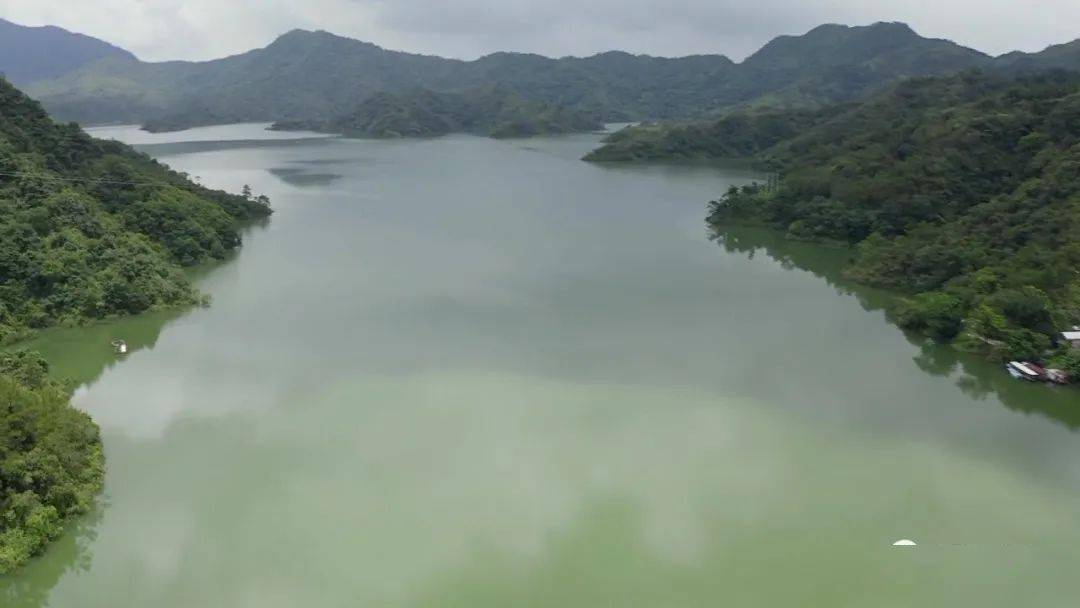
(492, 111)
(834, 63)
(747, 130)
(739, 134)
(1059, 56)
(963, 190)
(91, 228)
(319, 76)
(29, 54)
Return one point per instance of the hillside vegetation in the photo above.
(791, 77)
(491, 111)
(963, 191)
(91, 228)
(738, 135)
(51, 462)
(317, 76)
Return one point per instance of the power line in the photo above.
(83, 179)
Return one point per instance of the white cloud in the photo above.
(204, 29)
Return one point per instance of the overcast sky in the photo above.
(205, 29)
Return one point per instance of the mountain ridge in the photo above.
(316, 75)
(30, 54)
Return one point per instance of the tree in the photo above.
(939, 314)
(1025, 344)
(1070, 364)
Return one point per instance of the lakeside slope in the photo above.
(962, 191)
(92, 228)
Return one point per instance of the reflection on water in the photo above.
(974, 375)
(72, 554)
(483, 373)
(301, 177)
(238, 133)
(189, 147)
(80, 355)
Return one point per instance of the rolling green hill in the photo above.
(815, 71)
(740, 134)
(493, 111)
(317, 76)
(1059, 56)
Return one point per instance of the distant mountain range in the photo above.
(30, 54)
(317, 76)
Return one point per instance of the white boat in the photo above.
(1023, 371)
(120, 346)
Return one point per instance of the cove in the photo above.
(469, 372)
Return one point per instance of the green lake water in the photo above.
(474, 373)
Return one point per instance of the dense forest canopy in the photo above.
(964, 191)
(317, 76)
(91, 228)
(740, 134)
(51, 462)
(492, 111)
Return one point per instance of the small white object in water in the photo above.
(904, 543)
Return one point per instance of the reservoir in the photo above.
(465, 372)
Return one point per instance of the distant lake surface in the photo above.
(132, 134)
(479, 373)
